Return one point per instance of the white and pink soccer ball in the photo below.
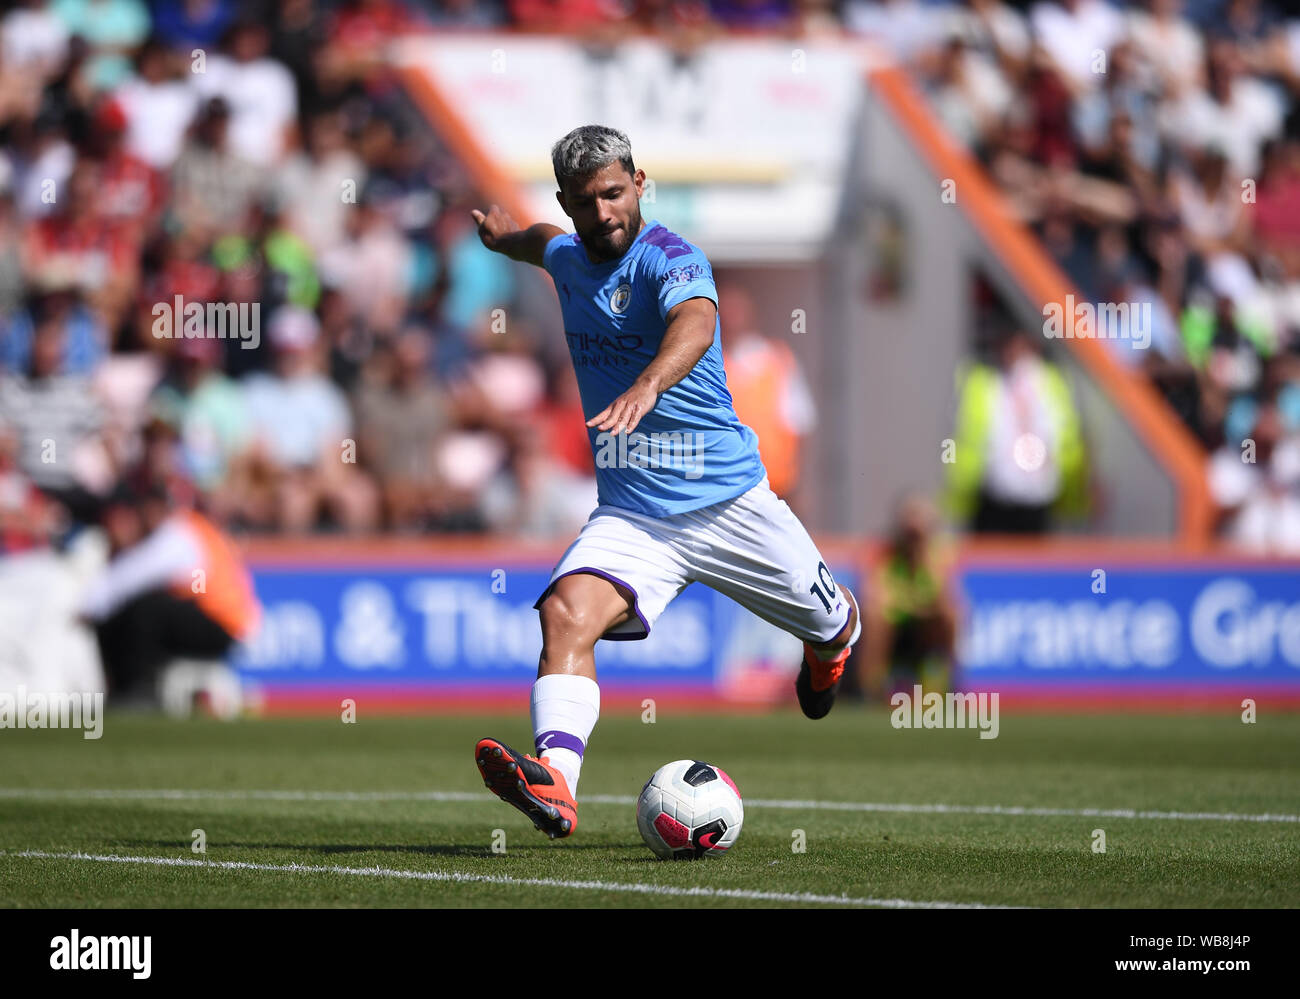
(689, 809)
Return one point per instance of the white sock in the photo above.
(564, 710)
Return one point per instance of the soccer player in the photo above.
(683, 495)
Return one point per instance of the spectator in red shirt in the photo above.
(130, 191)
(564, 15)
(368, 23)
(80, 246)
(1275, 216)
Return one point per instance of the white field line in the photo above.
(635, 887)
(162, 794)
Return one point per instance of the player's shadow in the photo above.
(429, 849)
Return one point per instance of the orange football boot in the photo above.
(819, 680)
(533, 786)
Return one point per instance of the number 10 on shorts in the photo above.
(825, 589)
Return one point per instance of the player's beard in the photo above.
(614, 245)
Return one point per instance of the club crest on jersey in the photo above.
(619, 300)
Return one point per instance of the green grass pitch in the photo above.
(402, 818)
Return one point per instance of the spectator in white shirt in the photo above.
(1257, 489)
(303, 435)
(260, 91)
(909, 30)
(317, 188)
(1077, 36)
(33, 38)
(1235, 112)
(159, 104)
(999, 32)
(1169, 46)
(371, 266)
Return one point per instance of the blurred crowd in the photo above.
(380, 370)
(264, 154)
(1154, 147)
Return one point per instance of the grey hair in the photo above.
(587, 149)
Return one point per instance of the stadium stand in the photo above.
(265, 154)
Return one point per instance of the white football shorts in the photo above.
(751, 548)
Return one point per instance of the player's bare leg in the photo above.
(823, 665)
(565, 705)
(580, 609)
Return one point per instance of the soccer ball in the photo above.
(689, 809)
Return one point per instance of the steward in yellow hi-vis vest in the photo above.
(1018, 452)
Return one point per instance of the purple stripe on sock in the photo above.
(558, 740)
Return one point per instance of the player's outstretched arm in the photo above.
(688, 337)
(499, 232)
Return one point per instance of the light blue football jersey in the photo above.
(691, 450)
